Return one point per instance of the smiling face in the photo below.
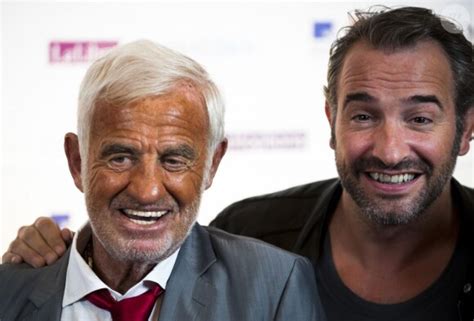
(146, 170)
(394, 132)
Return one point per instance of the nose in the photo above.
(391, 143)
(146, 183)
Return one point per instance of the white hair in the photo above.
(141, 69)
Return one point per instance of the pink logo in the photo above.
(77, 51)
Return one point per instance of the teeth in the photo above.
(141, 222)
(155, 214)
(144, 217)
(392, 179)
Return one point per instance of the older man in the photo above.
(392, 238)
(150, 139)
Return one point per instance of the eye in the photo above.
(421, 120)
(120, 159)
(361, 118)
(120, 162)
(175, 163)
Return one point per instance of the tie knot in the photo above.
(137, 308)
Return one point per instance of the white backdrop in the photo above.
(269, 59)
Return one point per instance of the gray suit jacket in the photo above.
(217, 276)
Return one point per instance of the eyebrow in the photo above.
(181, 150)
(420, 99)
(415, 99)
(358, 96)
(113, 149)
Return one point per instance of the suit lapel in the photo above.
(188, 293)
(45, 301)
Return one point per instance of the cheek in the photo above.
(431, 146)
(434, 146)
(185, 187)
(433, 151)
(104, 183)
(352, 145)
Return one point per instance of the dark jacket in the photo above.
(296, 219)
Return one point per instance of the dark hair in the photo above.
(393, 29)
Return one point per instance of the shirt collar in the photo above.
(81, 279)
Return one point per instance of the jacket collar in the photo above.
(189, 277)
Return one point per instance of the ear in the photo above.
(216, 160)
(329, 116)
(468, 132)
(71, 147)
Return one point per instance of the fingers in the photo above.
(67, 235)
(38, 244)
(10, 257)
(19, 251)
(47, 239)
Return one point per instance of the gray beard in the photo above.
(124, 250)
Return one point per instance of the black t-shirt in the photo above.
(437, 303)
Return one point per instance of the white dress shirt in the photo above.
(81, 280)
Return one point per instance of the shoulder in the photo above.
(242, 279)
(252, 272)
(278, 217)
(17, 275)
(463, 197)
(21, 283)
(240, 252)
(17, 282)
(294, 199)
(466, 192)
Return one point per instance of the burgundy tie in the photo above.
(137, 308)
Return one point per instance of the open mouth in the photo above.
(402, 178)
(143, 217)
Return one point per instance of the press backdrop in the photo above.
(269, 59)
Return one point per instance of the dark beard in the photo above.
(435, 183)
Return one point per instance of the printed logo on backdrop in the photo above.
(268, 141)
(323, 29)
(78, 51)
(62, 219)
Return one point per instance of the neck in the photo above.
(118, 275)
(371, 258)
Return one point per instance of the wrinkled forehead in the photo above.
(182, 107)
(184, 93)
